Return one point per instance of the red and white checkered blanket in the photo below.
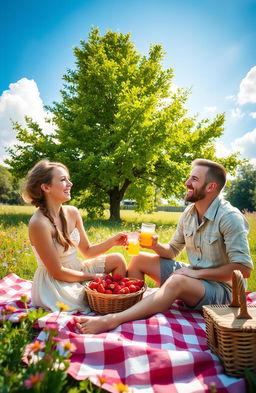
(165, 353)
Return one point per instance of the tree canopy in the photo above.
(121, 128)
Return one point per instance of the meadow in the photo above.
(16, 255)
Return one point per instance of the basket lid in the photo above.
(227, 317)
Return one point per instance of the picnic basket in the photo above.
(231, 330)
(103, 303)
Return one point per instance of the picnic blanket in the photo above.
(165, 353)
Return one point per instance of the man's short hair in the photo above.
(216, 172)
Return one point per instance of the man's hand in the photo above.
(187, 272)
(154, 242)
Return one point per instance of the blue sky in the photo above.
(211, 45)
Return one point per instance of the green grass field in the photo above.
(16, 254)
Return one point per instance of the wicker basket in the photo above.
(231, 332)
(103, 303)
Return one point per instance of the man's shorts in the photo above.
(215, 292)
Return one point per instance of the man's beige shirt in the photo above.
(221, 238)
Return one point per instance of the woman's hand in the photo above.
(120, 239)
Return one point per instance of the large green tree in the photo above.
(241, 191)
(120, 127)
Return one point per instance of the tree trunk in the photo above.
(115, 199)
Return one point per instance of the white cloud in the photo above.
(237, 113)
(22, 98)
(253, 115)
(246, 144)
(210, 109)
(247, 90)
(230, 98)
(221, 150)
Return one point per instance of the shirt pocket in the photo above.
(212, 248)
(189, 241)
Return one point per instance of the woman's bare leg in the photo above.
(188, 289)
(115, 263)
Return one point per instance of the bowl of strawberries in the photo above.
(113, 293)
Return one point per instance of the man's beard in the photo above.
(197, 195)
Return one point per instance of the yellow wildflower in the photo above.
(62, 306)
(121, 388)
(69, 346)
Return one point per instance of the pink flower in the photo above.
(8, 309)
(22, 315)
(36, 346)
(33, 380)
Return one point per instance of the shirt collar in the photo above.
(211, 211)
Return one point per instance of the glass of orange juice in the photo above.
(147, 231)
(133, 243)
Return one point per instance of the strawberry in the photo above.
(108, 291)
(130, 282)
(101, 288)
(117, 277)
(140, 283)
(125, 279)
(117, 289)
(126, 290)
(93, 285)
(112, 286)
(108, 277)
(97, 279)
(132, 288)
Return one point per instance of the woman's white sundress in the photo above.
(47, 291)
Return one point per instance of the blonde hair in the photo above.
(42, 173)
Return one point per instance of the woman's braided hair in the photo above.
(42, 173)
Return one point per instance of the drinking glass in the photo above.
(147, 231)
(133, 243)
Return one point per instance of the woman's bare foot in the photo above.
(97, 324)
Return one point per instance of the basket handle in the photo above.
(239, 298)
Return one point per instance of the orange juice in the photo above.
(146, 238)
(133, 248)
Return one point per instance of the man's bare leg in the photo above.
(188, 289)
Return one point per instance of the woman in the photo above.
(56, 232)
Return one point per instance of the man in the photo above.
(215, 236)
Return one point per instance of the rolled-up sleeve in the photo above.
(177, 241)
(234, 229)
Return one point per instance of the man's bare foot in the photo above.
(97, 324)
